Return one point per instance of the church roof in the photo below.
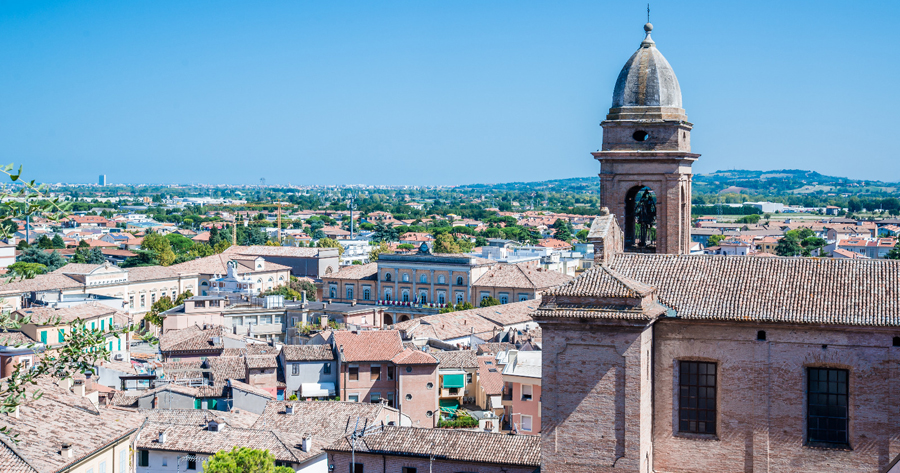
(647, 80)
(601, 281)
(778, 289)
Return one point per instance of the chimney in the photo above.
(66, 450)
(79, 390)
(162, 437)
(303, 297)
(324, 305)
(289, 410)
(307, 440)
(353, 303)
(212, 426)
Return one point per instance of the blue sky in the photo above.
(435, 92)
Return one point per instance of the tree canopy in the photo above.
(243, 460)
(34, 254)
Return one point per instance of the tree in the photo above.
(406, 246)
(243, 460)
(58, 242)
(749, 219)
(895, 252)
(377, 250)
(457, 307)
(44, 243)
(160, 247)
(714, 240)
(34, 254)
(563, 230)
(384, 232)
(329, 243)
(25, 270)
(163, 304)
(582, 235)
(179, 243)
(83, 244)
(141, 258)
(789, 245)
(489, 301)
(445, 243)
(304, 285)
(21, 245)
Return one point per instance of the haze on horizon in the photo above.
(412, 93)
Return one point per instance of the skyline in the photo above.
(451, 94)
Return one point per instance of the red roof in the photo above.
(373, 345)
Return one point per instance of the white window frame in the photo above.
(530, 423)
(527, 390)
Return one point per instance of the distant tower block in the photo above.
(646, 154)
(102, 181)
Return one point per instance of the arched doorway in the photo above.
(388, 320)
(404, 318)
(640, 220)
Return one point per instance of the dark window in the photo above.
(697, 397)
(827, 406)
(354, 372)
(640, 135)
(192, 464)
(408, 469)
(375, 373)
(459, 281)
(356, 468)
(143, 457)
(326, 369)
(761, 335)
(390, 370)
(387, 277)
(897, 341)
(295, 369)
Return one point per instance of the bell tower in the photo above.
(645, 161)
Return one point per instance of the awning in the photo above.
(454, 381)
(449, 404)
(316, 389)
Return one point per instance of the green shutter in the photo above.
(454, 381)
(110, 345)
(196, 403)
(120, 344)
(62, 335)
(44, 337)
(102, 324)
(213, 405)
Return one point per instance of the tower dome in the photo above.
(647, 80)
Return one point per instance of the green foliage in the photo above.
(179, 243)
(457, 307)
(21, 245)
(44, 243)
(895, 252)
(714, 240)
(562, 230)
(306, 285)
(384, 232)
(89, 256)
(292, 397)
(489, 301)
(22, 270)
(789, 245)
(582, 235)
(447, 243)
(161, 248)
(52, 261)
(286, 291)
(406, 246)
(753, 219)
(83, 244)
(141, 258)
(330, 243)
(378, 249)
(463, 422)
(243, 460)
(163, 304)
(58, 242)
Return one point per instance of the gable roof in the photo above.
(307, 353)
(522, 276)
(356, 272)
(779, 289)
(456, 359)
(414, 357)
(601, 281)
(448, 444)
(370, 345)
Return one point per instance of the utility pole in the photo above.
(351, 215)
(279, 223)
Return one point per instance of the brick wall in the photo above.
(423, 400)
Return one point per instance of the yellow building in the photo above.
(50, 326)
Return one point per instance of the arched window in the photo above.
(349, 293)
(404, 296)
(405, 277)
(459, 297)
(459, 280)
(423, 279)
(387, 277)
(333, 292)
(441, 299)
(388, 296)
(441, 279)
(366, 294)
(423, 297)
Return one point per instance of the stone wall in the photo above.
(392, 464)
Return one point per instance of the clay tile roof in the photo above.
(248, 388)
(489, 376)
(261, 361)
(10, 461)
(198, 439)
(13, 339)
(373, 345)
(192, 338)
(456, 359)
(494, 347)
(227, 367)
(601, 281)
(521, 276)
(356, 272)
(86, 311)
(283, 251)
(414, 357)
(307, 353)
(449, 444)
(553, 243)
(798, 290)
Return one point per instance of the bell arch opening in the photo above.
(640, 220)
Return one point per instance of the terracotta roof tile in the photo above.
(372, 345)
(522, 276)
(307, 353)
(449, 444)
(356, 272)
(414, 357)
(490, 378)
(456, 359)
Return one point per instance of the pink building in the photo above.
(374, 367)
(521, 391)
(197, 311)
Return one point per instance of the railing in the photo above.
(428, 305)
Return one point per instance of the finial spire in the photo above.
(648, 42)
(648, 12)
